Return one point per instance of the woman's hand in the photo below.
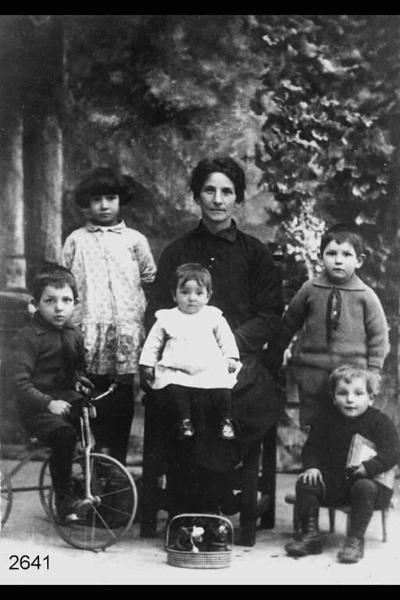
(312, 477)
(232, 364)
(146, 374)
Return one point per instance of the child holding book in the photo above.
(326, 480)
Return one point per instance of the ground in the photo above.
(135, 561)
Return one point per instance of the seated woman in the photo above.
(247, 289)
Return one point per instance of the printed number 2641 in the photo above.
(25, 562)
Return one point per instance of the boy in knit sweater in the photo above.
(339, 319)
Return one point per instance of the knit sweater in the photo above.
(357, 332)
(329, 441)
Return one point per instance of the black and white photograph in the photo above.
(200, 299)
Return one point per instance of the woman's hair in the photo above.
(348, 373)
(189, 272)
(343, 232)
(102, 180)
(219, 164)
(54, 275)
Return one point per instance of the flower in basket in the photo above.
(189, 538)
(218, 537)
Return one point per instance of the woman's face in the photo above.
(217, 200)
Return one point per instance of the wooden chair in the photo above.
(291, 499)
(257, 474)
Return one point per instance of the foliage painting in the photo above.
(309, 104)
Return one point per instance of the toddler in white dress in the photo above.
(192, 346)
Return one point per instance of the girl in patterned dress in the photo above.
(112, 263)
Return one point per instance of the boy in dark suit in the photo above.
(46, 367)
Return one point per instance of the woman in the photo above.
(247, 288)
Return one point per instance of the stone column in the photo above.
(12, 203)
(51, 198)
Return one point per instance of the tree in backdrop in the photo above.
(330, 101)
(153, 94)
(308, 104)
(330, 142)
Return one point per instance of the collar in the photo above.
(118, 228)
(353, 419)
(40, 326)
(354, 283)
(229, 234)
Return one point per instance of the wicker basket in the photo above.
(202, 559)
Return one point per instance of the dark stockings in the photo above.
(113, 424)
(62, 442)
(361, 495)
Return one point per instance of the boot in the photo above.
(352, 551)
(310, 542)
(69, 509)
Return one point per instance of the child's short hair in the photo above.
(343, 232)
(55, 275)
(350, 372)
(219, 164)
(192, 271)
(102, 180)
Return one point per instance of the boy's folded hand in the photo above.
(312, 476)
(59, 407)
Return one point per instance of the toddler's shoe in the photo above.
(227, 432)
(186, 429)
(352, 551)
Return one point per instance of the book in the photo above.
(362, 449)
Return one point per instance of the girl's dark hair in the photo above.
(343, 232)
(219, 164)
(349, 372)
(190, 271)
(102, 180)
(55, 275)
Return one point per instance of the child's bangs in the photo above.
(104, 189)
(201, 282)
